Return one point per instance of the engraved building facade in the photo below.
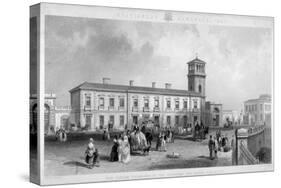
(99, 105)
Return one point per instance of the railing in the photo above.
(246, 144)
(250, 131)
(247, 155)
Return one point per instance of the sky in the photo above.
(238, 59)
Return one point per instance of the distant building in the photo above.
(54, 117)
(99, 105)
(214, 114)
(233, 117)
(258, 111)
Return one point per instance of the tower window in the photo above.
(200, 88)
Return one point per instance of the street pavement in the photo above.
(68, 158)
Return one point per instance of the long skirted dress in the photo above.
(114, 151)
(125, 151)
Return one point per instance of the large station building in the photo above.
(98, 105)
(95, 106)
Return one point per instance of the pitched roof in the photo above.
(133, 89)
(262, 98)
(197, 60)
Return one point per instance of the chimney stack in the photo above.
(131, 82)
(168, 86)
(105, 80)
(153, 84)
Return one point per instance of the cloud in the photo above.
(81, 49)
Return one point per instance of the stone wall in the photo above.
(249, 142)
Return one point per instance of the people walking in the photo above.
(125, 150)
(114, 150)
(234, 151)
(216, 148)
(211, 146)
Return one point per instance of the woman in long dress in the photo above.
(114, 150)
(119, 149)
(125, 150)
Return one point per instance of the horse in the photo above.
(138, 142)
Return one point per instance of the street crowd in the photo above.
(137, 141)
(221, 143)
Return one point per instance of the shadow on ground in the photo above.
(76, 163)
(201, 161)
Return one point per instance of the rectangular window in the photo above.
(111, 102)
(261, 118)
(88, 100)
(195, 105)
(177, 120)
(122, 120)
(146, 103)
(168, 104)
(101, 122)
(168, 120)
(177, 104)
(184, 120)
(185, 104)
(101, 102)
(88, 120)
(135, 103)
(261, 107)
(111, 120)
(135, 120)
(156, 120)
(156, 103)
(121, 102)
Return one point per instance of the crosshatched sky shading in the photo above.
(85, 49)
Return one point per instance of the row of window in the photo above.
(101, 102)
(254, 107)
(136, 103)
(112, 120)
(135, 120)
(197, 67)
(168, 104)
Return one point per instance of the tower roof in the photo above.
(196, 60)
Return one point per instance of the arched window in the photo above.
(200, 88)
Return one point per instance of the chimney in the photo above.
(131, 82)
(168, 86)
(153, 84)
(105, 80)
